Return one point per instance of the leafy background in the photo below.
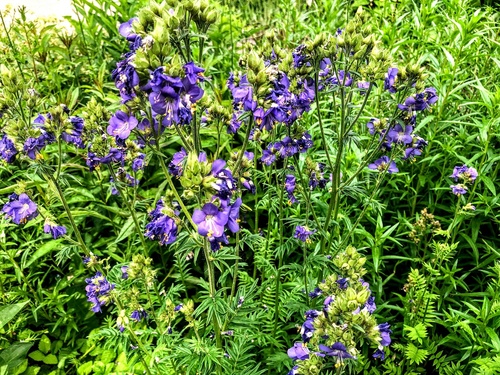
(45, 325)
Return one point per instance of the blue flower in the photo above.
(379, 354)
(20, 208)
(303, 233)
(98, 291)
(336, 350)
(56, 230)
(210, 220)
(420, 101)
(385, 334)
(161, 228)
(8, 151)
(298, 351)
(342, 283)
(381, 165)
(390, 80)
(138, 315)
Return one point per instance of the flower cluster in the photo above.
(98, 291)
(286, 148)
(466, 176)
(162, 226)
(20, 208)
(345, 321)
(212, 220)
(303, 233)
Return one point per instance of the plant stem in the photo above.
(130, 209)
(70, 216)
(280, 262)
(211, 282)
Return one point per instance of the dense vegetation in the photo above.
(194, 187)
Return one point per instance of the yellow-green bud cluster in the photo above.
(350, 263)
(140, 269)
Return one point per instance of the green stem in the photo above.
(363, 212)
(243, 148)
(13, 48)
(130, 209)
(211, 282)
(70, 216)
(280, 262)
(236, 264)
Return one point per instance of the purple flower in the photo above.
(56, 230)
(379, 354)
(370, 305)
(234, 215)
(32, 146)
(125, 29)
(98, 291)
(307, 328)
(363, 87)
(342, 283)
(126, 79)
(298, 351)
(8, 151)
(138, 163)
(398, 135)
(73, 131)
(138, 315)
(411, 152)
(381, 165)
(121, 124)
(210, 220)
(421, 101)
(459, 189)
(20, 208)
(290, 188)
(373, 126)
(294, 371)
(385, 334)
(465, 173)
(176, 166)
(315, 293)
(124, 270)
(194, 73)
(242, 94)
(224, 183)
(270, 153)
(178, 307)
(336, 350)
(343, 79)
(390, 80)
(115, 155)
(303, 233)
(161, 228)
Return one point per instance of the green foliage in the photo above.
(432, 261)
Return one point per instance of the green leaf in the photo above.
(37, 355)
(417, 333)
(43, 250)
(15, 354)
(414, 354)
(121, 363)
(107, 356)
(51, 359)
(7, 313)
(126, 231)
(489, 184)
(85, 369)
(44, 344)
(32, 370)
